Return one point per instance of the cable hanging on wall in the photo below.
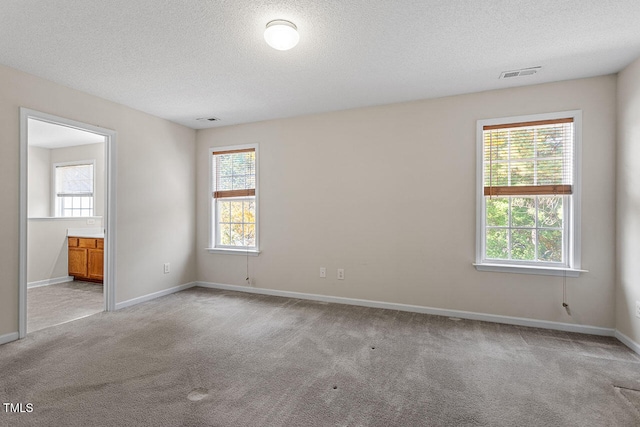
(564, 294)
(247, 279)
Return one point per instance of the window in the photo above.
(74, 189)
(234, 199)
(528, 189)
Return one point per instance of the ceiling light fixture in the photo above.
(281, 34)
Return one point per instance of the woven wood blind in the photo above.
(235, 173)
(529, 158)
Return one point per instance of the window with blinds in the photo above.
(74, 185)
(234, 195)
(527, 186)
(530, 158)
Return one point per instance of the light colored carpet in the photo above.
(63, 302)
(215, 358)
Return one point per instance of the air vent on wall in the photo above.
(208, 119)
(520, 73)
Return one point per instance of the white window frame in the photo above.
(213, 211)
(571, 206)
(55, 202)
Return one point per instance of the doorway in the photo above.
(67, 221)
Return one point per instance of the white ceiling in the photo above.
(49, 135)
(186, 59)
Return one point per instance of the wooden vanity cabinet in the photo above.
(86, 258)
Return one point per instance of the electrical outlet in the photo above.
(323, 272)
(638, 309)
(166, 267)
(91, 221)
(341, 274)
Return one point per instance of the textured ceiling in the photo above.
(48, 135)
(185, 59)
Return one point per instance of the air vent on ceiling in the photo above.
(520, 73)
(208, 119)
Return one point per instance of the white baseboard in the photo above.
(628, 341)
(9, 337)
(519, 321)
(154, 295)
(47, 282)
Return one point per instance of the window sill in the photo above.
(63, 218)
(228, 251)
(530, 269)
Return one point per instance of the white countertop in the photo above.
(91, 233)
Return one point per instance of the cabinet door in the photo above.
(96, 264)
(77, 262)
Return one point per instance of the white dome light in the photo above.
(281, 34)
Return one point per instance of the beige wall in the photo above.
(47, 246)
(361, 190)
(39, 200)
(628, 202)
(155, 200)
(388, 194)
